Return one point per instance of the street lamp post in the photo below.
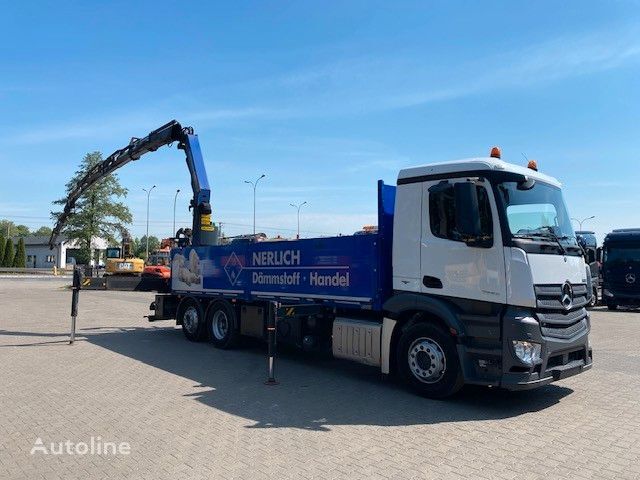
(148, 196)
(255, 185)
(298, 208)
(174, 212)
(583, 220)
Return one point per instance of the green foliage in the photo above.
(98, 212)
(42, 232)
(139, 246)
(2, 242)
(7, 259)
(82, 256)
(20, 259)
(10, 229)
(7, 226)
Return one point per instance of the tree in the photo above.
(20, 259)
(2, 242)
(139, 246)
(42, 232)
(10, 229)
(7, 259)
(98, 212)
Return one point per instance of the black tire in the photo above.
(222, 325)
(434, 359)
(191, 316)
(612, 306)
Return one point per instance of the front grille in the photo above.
(564, 332)
(549, 297)
(555, 320)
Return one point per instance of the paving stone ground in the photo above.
(190, 411)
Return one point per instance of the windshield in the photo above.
(159, 258)
(536, 213)
(621, 254)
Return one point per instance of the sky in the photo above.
(324, 98)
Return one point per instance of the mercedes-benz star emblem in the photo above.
(630, 278)
(567, 296)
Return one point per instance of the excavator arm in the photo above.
(203, 232)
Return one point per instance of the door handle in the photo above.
(431, 282)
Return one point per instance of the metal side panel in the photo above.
(357, 340)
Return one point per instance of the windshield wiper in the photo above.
(551, 234)
(526, 236)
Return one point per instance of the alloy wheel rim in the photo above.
(427, 361)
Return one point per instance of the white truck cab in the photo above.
(486, 248)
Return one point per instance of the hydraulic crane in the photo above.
(203, 231)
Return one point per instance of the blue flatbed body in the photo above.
(352, 271)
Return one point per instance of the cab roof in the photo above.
(623, 235)
(473, 166)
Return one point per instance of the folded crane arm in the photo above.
(203, 231)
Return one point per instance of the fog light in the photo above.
(527, 352)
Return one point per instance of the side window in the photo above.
(442, 213)
(484, 207)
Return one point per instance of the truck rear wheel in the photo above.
(427, 361)
(222, 325)
(191, 317)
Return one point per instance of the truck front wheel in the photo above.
(222, 324)
(427, 361)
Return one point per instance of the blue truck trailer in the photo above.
(351, 271)
(473, 276)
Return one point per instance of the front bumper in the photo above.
(617, 297)
(544, 373)
(560, 358)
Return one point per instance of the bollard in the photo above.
(75, 294)
(271, 347)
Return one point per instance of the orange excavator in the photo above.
(159, 261)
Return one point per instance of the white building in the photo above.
(40, 256)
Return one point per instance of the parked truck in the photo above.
(473, 276)
(589, 243)
(621, 268)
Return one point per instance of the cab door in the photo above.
(449, 266)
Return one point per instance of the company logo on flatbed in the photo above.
(233, 268)
(276, 258)
(283, 268)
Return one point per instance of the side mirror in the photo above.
(467, 211)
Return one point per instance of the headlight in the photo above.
(527, 352)
(607, 293)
